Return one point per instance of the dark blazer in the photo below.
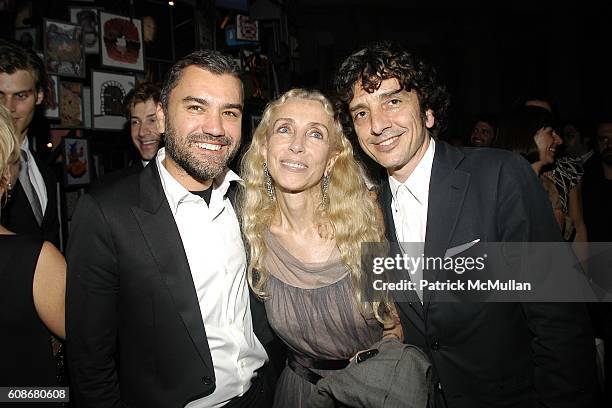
(18, 216)
(107, 179)
(495, 354)
(135, 335)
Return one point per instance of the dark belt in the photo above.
(302, 366)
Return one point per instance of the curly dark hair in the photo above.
(384, 60)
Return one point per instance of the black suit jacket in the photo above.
(135, 335)
(495, 354)
(106, 180)
(19, 217)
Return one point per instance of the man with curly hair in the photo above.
(483, 354)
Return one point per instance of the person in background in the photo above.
(483, 132)
(141, 107)
(33, 207)
(597, 198)
(32, 287)
(529, 130)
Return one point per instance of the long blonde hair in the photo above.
(9, 146)
(349, 214)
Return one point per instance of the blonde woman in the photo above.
(32, 287)
(306, 211)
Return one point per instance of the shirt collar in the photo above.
(25, 145)
(178, 194)
(418, 182)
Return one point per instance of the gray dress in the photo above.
(312, 310)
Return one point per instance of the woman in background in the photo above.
(306, 211)
(529, 130)
(32, 288)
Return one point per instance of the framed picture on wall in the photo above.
(87, 18)
(87, 107)
(107, 92)
(77, 167)
(52, 99)
(28, 37)
(64, 52)
(121, 42)
(71, 104)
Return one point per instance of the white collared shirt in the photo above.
(35, 176)
(215, 252)
(409, 206)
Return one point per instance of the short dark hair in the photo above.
(15, 57)
(384, 60)
(517, 131)
(141, 93)
(489, 118)
(209, 60)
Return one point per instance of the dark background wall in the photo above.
(488, 57)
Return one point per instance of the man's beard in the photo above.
(197, 166)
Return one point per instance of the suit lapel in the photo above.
(411, 298)
(447, 189)
(164, 241)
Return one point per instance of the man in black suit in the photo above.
(483, 354)
(33, 206)
(158, 309)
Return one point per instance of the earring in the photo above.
(269, 186)
(8, 194)
(324, 189)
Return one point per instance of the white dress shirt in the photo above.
(35, 176)
(409, 207)
(215, 252)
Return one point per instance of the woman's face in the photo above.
(547, 140)
(298, 145)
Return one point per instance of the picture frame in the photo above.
(108, 90)
(77, 164)
(52, 98)
(64, 51)
(89, 20)
(28, 37)
(121, 42)
(71, 105)
(87, 107)
(246, 29)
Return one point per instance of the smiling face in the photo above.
(202, 126)
(298, 149)
(19, 95)
(547, 140)
(390, 126)
(482, 134)
(143, 128)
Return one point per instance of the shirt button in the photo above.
(435, 345)
(206, 380)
